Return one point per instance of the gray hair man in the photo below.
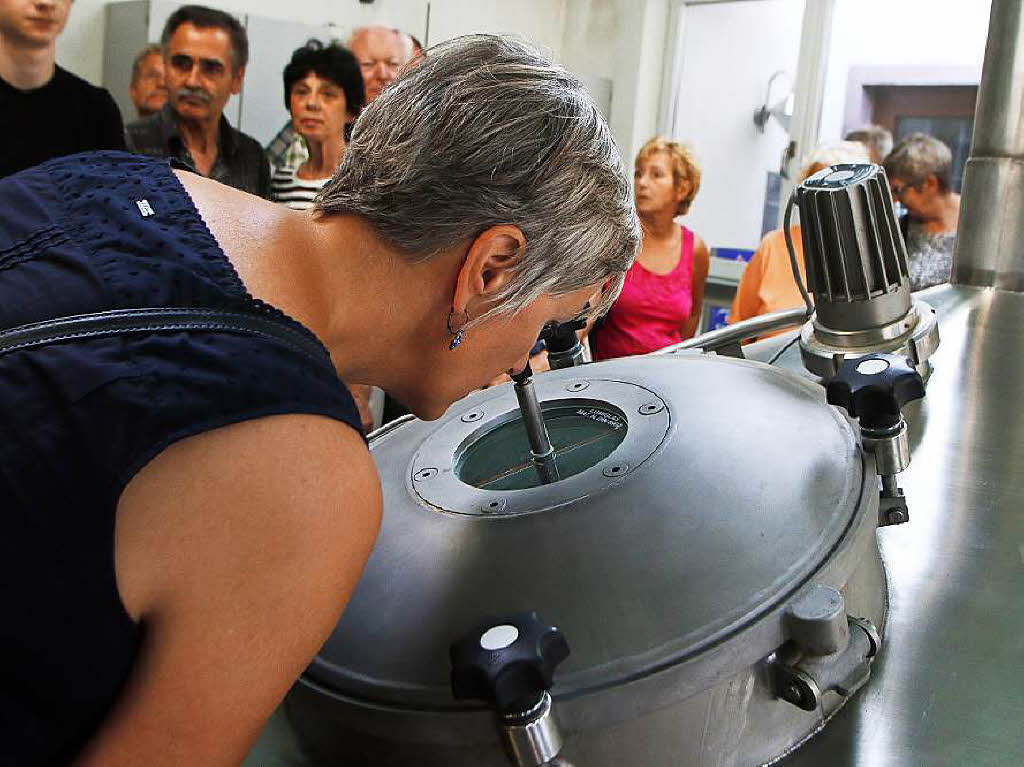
(920, 171)
(148, 89)
(877, 139)
(205, 54)
(381, 52)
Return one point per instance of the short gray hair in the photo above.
(145, 53)
(918, 156)
(836, 153)
(877, 139)
(486, 131)
(403, 39)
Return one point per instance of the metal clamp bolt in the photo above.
(577, 386)
(493, 506)
(423, 474)
(473, 416)
(650, 408)
(616, 470)
(895, 517)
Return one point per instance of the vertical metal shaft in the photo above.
(536, 430)
(990, 239)
(889, 487)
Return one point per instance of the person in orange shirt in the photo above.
(767, 284)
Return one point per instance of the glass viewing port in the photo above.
(582, 433)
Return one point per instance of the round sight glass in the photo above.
(583, 434)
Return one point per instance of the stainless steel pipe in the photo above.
(740, 331)
(990, 242)
(536, 430)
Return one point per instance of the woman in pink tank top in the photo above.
(662, 297)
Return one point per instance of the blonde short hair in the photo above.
(835, 153)
(684, 166)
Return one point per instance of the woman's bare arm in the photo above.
(701, 264)
(237, 549)
(361, 394)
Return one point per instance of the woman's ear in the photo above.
(682, 190)
(490, 265)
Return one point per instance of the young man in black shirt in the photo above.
(46, 111)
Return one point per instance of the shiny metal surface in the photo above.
(859, 338)
(673, 583)
(948, 686)
(918, 340)
(740, 331)
(990, 241)
(536, 430)
(535, 740)
(891, 449)
(654, 548)
(998, 130)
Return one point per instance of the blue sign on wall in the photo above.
(717, 317)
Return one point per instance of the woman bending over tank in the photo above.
(186, 506)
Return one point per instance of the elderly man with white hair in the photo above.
(381, 52)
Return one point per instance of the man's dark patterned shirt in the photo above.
(240, 160)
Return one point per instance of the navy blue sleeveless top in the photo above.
(82, 234)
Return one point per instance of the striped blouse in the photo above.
(298, 193)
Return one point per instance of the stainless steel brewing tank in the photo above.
(707, 496)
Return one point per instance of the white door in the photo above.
(729, 52)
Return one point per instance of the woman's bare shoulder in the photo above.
(237, 549)
(701, 253)
(279, 477)
(235, 218)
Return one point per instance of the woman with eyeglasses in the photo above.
(920, 176)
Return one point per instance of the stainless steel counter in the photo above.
(948, 686)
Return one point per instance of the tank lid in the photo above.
(727, 506)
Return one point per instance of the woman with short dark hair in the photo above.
(323, 91)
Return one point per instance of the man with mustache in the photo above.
(45, 111)
(205, 54)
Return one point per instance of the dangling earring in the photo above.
(458, 334)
